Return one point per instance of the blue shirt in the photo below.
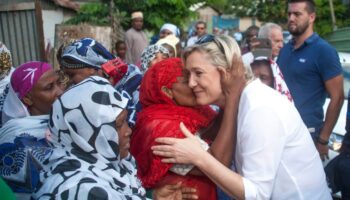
(306, 69)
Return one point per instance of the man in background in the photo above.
(201, 29)
(273, 32)
(312, 70)
(136, 40)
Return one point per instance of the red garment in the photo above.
(160, 117)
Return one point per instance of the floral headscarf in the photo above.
(5, 61)
(150, 53)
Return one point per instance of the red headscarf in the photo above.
(160, 117)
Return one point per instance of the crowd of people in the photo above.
(156, 120)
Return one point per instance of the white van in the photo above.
(339, 131)
(339, 128)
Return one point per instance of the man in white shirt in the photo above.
(201, 29)
(273, 32)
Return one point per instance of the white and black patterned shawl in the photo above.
(85, 163)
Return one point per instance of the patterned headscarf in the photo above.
(84, 53)
(86, 161)
(129, 87)
(26, 76)
(23, 146)
(5, 61)
(149, 53)
(279, 83)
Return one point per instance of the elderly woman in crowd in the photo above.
(23, 147)
(166, 101)
(91, 139)
(34, 87)
(275, 157)
(90, 136)
(85, 57)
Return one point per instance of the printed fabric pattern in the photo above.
(129, 87)
(85, 162)
(23, 150)
(150, 53)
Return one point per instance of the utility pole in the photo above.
(334, 26)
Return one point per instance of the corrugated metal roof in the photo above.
(18, 31)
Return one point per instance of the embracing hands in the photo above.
(233, 79)
(182, 151)
(174, 192)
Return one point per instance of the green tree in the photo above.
(156, 12)
(92, 13)
(276, 11)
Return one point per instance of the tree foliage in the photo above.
(276, 11)
(156, 12)
(92, 13)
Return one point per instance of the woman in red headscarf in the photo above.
(166, 101)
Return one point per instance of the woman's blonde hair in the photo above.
(220, 51)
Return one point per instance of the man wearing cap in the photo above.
(136, 40)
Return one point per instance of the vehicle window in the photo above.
(345, 61)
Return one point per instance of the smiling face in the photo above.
(299, 19)
(124, 133)
(204, 79)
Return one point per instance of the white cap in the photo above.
(136, 15)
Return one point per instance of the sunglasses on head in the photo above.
(210, 38)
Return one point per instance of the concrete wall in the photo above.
(65, 33)
(245, 22)
(206, 14)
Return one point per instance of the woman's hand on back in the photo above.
(174, 192)
(184, 151)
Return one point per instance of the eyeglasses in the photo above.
(210, 38)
